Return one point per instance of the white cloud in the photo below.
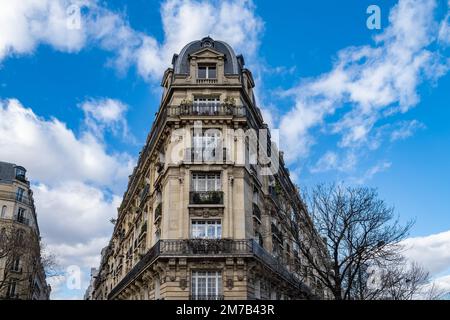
(74, 212)
(70, 176)
(406, 129)
(53, 153)
(371, 172)
(432, 252)
(332, 161)
(26, 24)
(367, 82)
(105, 113)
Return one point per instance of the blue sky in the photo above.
(77, 104)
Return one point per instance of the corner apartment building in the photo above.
(210, 211)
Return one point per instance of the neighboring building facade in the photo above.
(201, 217)
(89, 294)
(22, 274)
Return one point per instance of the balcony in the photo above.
(206, 155)
(158, 212)
(208, 109)
(206, 81)
(277, 232)
(206, 197)
(21, 177)
(23, 220)
(205, 297)
(205, 247)
(256, 211)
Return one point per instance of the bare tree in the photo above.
(352, 229)
(19, 257)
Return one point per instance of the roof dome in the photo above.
(232, 64)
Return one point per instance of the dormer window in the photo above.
(20, 173)
(207, 71)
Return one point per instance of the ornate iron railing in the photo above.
(205, 248)
(206, 197)
(212, 109)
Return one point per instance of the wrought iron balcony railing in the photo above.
(206, 197)
(205, 297)
(23, 220)
(208, 109)
(205, 246)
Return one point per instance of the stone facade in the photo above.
(201, 217)
(22, 274)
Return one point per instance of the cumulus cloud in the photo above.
(367, 82)
(105, 114)
(76, 182)
(53, 152)
(26, 24)
(432, 252)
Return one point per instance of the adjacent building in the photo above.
(22, 274)
(210, 211)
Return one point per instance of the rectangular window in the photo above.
(207, 145)
(12, 289)
(21, 216)
(206, 229)
(19, 194)
(207, 71)
(16, 265)
(206, 105)
(202, 182)
(206, 285)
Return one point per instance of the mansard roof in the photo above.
(232, 63)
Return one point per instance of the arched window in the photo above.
(3, 214)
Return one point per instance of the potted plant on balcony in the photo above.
(229, 103)
(215, 197)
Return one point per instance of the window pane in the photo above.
(201, 72)
(212, 72)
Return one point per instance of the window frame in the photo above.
(212, 282)
(208, 225)
(207, 67)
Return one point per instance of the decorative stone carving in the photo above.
(206, 212)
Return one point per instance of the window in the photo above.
(257, 289)
(20, 173)
(206, 182)
(12, 289)
(19, 194)
(206, 105)
(3, 214)
(206, 285)
(21, 216)
(16, 265)
(207, 144)
(207, 71)
(206, 229)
